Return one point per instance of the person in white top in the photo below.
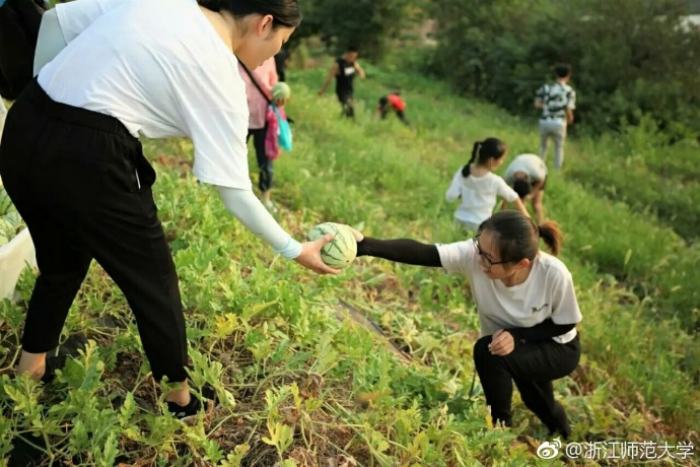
(527, 175)
(478, 187)
(526, 303)
(73, 166)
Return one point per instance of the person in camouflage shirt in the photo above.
(557, 102)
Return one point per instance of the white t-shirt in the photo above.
(531, 164)
(160, 68)
(478, 196)
(548, 292)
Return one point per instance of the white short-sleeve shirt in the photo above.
(479, 196)
(531, 164)
(160, 68)
(548, 292)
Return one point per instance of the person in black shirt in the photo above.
(19, 28)
(344, 70)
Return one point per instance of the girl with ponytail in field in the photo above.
(526, 304)
(478, 187)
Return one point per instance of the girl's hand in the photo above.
(502, 343)
(310, 256)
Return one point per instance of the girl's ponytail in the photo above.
(551, 234)
(475, 153)
(518, 236)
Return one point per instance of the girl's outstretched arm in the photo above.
(453, 192)
(521, 207)
(400, 250)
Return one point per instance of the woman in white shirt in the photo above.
(526, 304)
(527, 175)
(478, 187)
(73, 166)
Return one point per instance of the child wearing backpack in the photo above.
(278, 135)
(478, 187)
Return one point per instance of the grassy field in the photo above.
(300, 383)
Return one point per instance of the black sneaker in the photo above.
(52, 364)
(56, 359)
(562, 423)
(188, 410)
(195, 404)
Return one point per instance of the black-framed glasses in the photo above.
(488, 262)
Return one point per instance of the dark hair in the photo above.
(352, 48)
(482, 151)
(517, 236)
(522, 187)
(285, 12)
(562, 70)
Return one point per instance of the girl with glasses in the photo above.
(526, 303)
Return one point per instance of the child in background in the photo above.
(479, 187)
(527, 174)
(281, 92)
(259, 85)
(392, 101)
(344, 70)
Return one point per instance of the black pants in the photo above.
(384, 111)
(264, 164)
(83, 186)
(533, 366)
(346, 103)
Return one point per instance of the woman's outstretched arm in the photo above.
(400, 250)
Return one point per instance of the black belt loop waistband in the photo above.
(76, 115)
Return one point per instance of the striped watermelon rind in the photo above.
(342, 250)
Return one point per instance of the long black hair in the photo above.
(490, 148)
(517, 236)
(285, 12)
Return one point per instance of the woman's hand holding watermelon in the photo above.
(310, 256)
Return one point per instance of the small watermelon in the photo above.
(339, 252)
